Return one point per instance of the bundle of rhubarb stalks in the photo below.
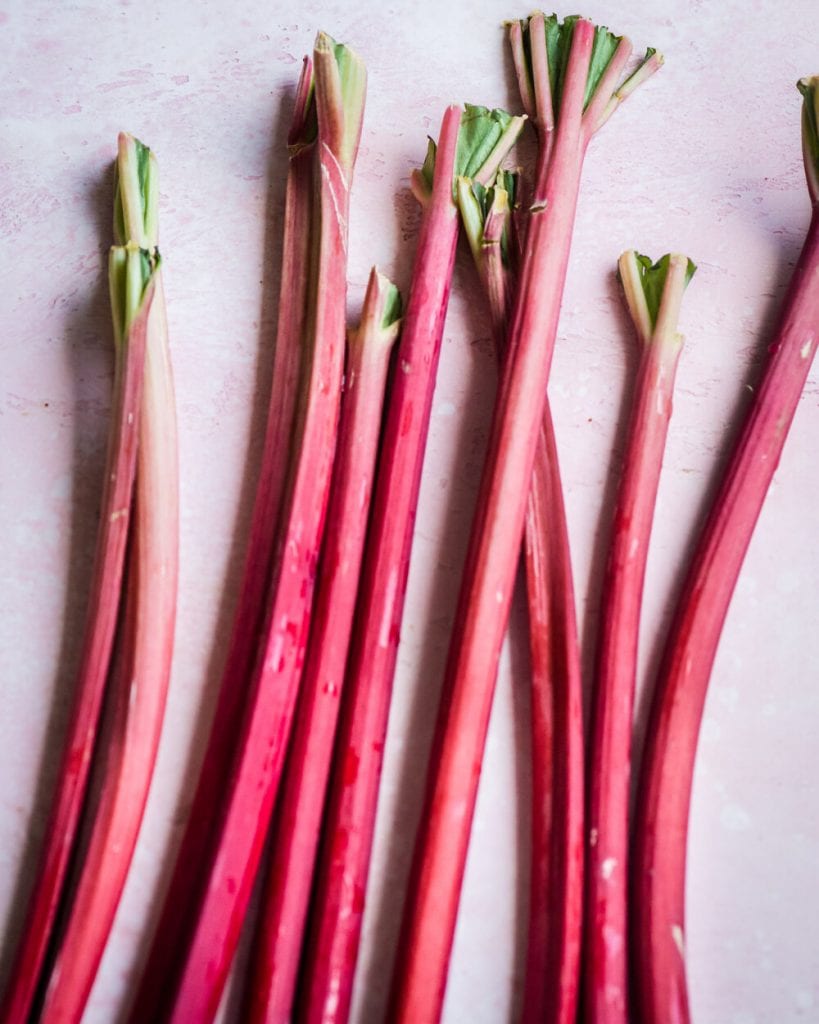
(287, 793)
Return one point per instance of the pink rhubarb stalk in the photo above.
(653, 294)
(584, 66)
(192, 984)
(665, 784)
(474, 141)
(298, 818)
(556, 880)
(135, 181)
(214, 774)
(140, 677)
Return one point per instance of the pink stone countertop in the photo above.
(705, 159)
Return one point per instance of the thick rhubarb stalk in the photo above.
(584, 66)
(665, 784)
(191, 985)
(653, 294)
(249, 616)
(556, 877)
(131, 298)
(298, 818)
(140, 676)
(474, 142)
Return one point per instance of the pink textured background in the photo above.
(704, 159)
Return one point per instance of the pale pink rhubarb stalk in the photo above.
(653, 295)
(665, 784)
(136, 181)
(214, 774)
(192, 984)
(475, 140)
(298, 817)
(140, 677)
(583, 66)
(556, 877)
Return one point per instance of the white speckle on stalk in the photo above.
(406, 366)
(607, 867)
(499, 596)
(679, 939)
(130, 419)
(634, 547)
(132, 693)
(593, 837)
(805, 351)
(118, 514)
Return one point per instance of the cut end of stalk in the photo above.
(303, 125)
(809, 87)
(484, 140)
(381, 313)
(654, 291)
(130, 272)
(341, 87)
(136, 202)
(544, 57)
(486, 213)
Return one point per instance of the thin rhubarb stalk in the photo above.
(249, 616)
(136, 179)
(140, 676)
(192, 984)
(584, 65)
(298, 819)
(653, 295)
(666, 776)
(474, 142)
(556, 876)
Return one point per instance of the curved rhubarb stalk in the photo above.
(298, 819)
(131, 299)
(556, 881)
(653, 295)
(584, 66)
(474, 142)
(192, 983)
(140, 677)
(214, 773)
(666, 776)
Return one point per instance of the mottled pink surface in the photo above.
(704, 159)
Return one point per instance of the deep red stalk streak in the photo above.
(556, 878)
(297, 829)
(665, 793)
(141, 678)
(335, 929)
(432, 903)
(207, 950)
(556, 889)
(115, 515)
(214, 774)
(605, 985)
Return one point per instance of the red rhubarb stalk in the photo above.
(556, 878)
(653, 294)
(135, 180)
(666, 776)
(298, 818)
(584, 65)
(249, 615)
(192, 984)
(474, 141)
(141, 673)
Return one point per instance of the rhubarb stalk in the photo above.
(249, 616)
(298, 818)
(131, 298)
(556, 877)
(142, 667)
(577, 77)
(666, 776)
(471, 142)
(653, 295)
(191, 985)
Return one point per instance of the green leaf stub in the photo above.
(652, 278)
(809, 87)
(393, 307)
